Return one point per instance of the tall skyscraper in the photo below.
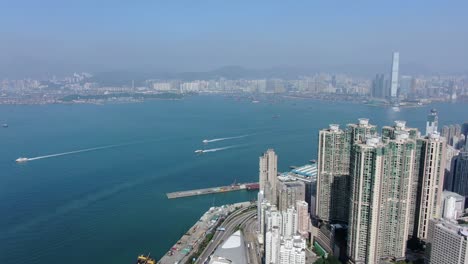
(431, 180)
(445, 132)
(447, 242)
(451, 155)
(378, 86)
(394, 75)
(268, 175)
(333, 173)
(360, 131)
(432, 122)
(405, 86)
(464, 129)
(333, 168)
(391, 184)
(460, 174)
(392, 133)
(380, 198)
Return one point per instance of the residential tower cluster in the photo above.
(379, 197)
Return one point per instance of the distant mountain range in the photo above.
(236, 72)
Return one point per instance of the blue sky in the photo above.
(48, 36)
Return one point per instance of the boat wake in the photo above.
(78, 151)
(221, 139)
(218, 149)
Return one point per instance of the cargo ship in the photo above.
(252, 186)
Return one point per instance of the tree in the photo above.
(329, 260)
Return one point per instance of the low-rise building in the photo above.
(447, 242)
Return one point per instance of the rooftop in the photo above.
(231, 251)
(309, 170)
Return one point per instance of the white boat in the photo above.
(205, 141)
(199, 151)
(19, 160)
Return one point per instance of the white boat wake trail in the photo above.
(221, 139)
(77, 151)
(218, 149)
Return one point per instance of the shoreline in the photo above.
(199, 235)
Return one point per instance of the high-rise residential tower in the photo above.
(394, 75)
(272, 246)
(393, 132)
(268, 175)
(289, 227)
(431, 182)
(378, 86)
(380, 198)
(432, 122)
(303, 218)
(464, 129)
(333, 168)
(460, 174)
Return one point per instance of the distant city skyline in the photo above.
(58, 37)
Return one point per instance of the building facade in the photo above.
(460, 174)
(292, 251)
(290, 191)
(303, 218)
(394, 75)
(333, 172)
(453, 205)
(268, 175)
(431, 182)
(380, 198)
(432, 122)
(333, 168)
(447, 242)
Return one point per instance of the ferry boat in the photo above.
(19, 160)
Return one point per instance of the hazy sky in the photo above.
(196, 35)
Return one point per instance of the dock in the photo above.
(230, 188)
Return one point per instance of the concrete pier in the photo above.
(230, 188)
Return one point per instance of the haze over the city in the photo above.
(58, 37)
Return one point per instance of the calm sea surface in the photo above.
(108, 205)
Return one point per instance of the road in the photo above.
(250, 237)
(230, 224)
